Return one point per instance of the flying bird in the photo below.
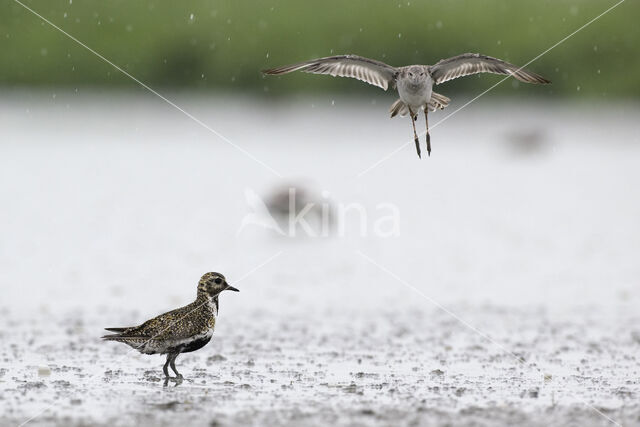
(413, 82)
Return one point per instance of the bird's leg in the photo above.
(173, 366)
(426, 119)
(415, 135)
(165, 368)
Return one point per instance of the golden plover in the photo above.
(185, 329)
(413, 82)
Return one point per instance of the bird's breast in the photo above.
(415, 96)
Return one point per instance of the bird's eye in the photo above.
(411, 74)
(218, 280)
(422, 74)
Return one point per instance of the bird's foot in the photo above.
(428, 144)
(418, 147)
(169, 377)
(176, 380)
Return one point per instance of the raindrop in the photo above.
(399, 35)
(578, 88)
(191, 17)
(267, 54)
(333, 102)
(439, 24)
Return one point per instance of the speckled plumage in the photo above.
(182, 330)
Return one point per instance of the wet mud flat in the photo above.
(523, 224)
(411, 367)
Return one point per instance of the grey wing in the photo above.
(473, 63)
(368, 70)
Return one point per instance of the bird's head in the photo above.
(415, 74)
(211, 284)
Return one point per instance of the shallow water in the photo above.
(371, 368)
(508, 296)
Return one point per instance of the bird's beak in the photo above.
(231, 288)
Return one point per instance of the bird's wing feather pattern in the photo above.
(174, 324)
(368, 70)
(473, 63)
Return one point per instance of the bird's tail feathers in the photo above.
(399, 107)
(112, 337)
(438, 102)
(131, 340)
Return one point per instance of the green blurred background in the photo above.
(222, 45)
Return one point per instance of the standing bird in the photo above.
(413, 82)
(182, 330)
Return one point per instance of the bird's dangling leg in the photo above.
(415, 135)
(426, 119)
(173, 366)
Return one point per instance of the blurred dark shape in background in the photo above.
(302, 211)
(223, 45)
(526, 141)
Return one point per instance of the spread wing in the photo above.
(473, 63)
(368, 70)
